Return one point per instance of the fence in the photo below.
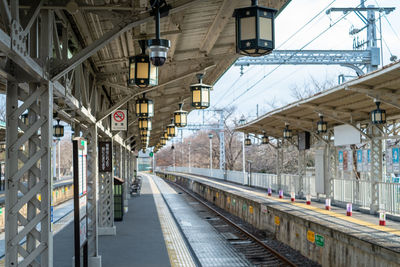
(345, 190)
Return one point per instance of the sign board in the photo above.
(277, 221)
(310, 236)
(264, 209)
(105, 157)
(340, 159)
(79, 146)
(389, 160)
(346, 135)
(395, 158)
(359, 160)
(319, 240)
(119, 120)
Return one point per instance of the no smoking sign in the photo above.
(119, 120)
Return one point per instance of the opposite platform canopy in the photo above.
(348, 103)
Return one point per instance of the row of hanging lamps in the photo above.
(200, 93)
(141, 72)
(180, 117)
(254, 30)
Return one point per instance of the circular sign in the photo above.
(119, 116)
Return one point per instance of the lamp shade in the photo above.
(144, 108)
(254, 30)
(58, 130)
(247, 141)
(145, 124)
(180, 117)
(171, 129)
(265, 139)
(141, 72)
(144, 133)
(378, 116)
(287, 133)
(322, 126)
(200, 94)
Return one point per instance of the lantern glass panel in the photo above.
(177, 118)
(205, 96)
(378, 117)
(153, 75)
(265, 28)
(143, 70)
(384, 116)
(143, 107)
(196, 95)
(248, 28)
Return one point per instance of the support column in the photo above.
(301, 173)
(106, 216)
(331, 157)
(92, 192)
(279, 164)
(36, 165)
(376, 167)
(125, 177)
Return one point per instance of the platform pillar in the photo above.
(35, 163)
(376, 167)
(279, 164)
(330, 175)
(301, 173)
(91, 136)
(106, 214)
(125, 177)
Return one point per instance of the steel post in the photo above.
(376, 167)
(301, 173)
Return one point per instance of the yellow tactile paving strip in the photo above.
(179, 254)
(309, 207)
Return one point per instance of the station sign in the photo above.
(105, 156)
(319, 240)
(119, 120)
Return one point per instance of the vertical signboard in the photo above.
(105, 157)
(395, 158)
(80, 200)
(341, 160)
(119, 120)
(389, 160)
(359, 160)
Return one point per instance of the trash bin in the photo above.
(118, 199)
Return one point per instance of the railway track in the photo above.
(255, 250)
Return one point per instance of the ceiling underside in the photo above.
(348, 103)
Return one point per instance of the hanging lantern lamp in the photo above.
(180, 117)
(144, 107)
(58, 130)
(145, 124)
(322, 126)
(378, 116)
(254, 30)
(265, 139)
(25, 118)
(200, 93)
(247, 141)
(287, 133)
(171, 129)
(141, 72)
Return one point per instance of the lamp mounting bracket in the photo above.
(162, 7)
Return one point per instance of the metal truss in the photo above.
(348, 58)
(331, 156)
(106, 200)
(376, 166)
(28, 173)
(301, 172)
(92, 190)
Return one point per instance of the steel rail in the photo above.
(233, 224)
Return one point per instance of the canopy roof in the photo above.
(348, 103)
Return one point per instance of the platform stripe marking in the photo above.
(178, 253)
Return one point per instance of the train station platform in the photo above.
(327, 236)
(160, 229)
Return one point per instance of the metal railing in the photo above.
(345, 190)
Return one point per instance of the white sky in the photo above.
(277, 85)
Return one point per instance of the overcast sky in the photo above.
(276, 86)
